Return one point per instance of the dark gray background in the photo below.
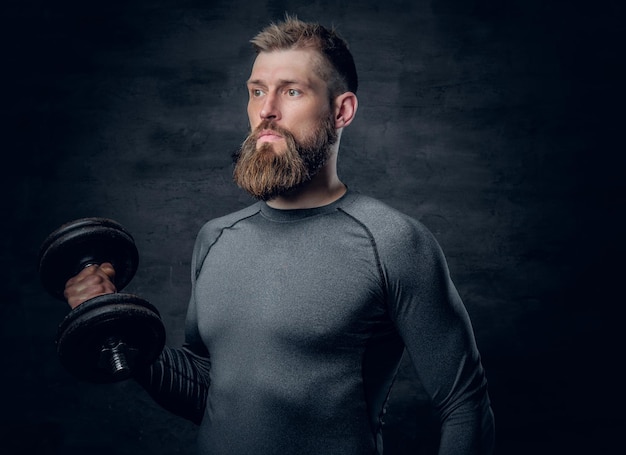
(493, 122)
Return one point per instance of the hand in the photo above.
(92, 281)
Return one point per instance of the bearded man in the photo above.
(303, 303)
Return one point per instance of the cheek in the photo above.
(310, 125)
(302, 131)
(305, 122)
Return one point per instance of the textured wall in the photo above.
(492, 122)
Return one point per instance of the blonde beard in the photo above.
(265, 173)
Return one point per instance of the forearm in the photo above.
(469, 429)
(178, 381)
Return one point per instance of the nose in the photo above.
(270, 109)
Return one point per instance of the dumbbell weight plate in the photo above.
(82, 242)
(84, 333)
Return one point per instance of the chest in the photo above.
(302, 286)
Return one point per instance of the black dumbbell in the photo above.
(106, 338)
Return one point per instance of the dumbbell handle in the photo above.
(114, 357)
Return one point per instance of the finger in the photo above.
(79, 293)
(108, 269)
(92, 281)
(104, 270)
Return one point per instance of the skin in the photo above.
(91, 282)
(283, 87)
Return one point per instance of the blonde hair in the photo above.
(336, 66)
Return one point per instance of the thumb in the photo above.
(108, 269)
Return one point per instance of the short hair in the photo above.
(337, 66)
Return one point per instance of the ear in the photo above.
(345, 109)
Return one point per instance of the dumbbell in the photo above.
(107, 338)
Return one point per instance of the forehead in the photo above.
(287, 65)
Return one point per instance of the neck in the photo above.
(323, 189)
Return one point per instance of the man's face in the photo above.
(291, 121)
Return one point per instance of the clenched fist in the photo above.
(92, 281)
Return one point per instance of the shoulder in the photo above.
(385, 223)
(210, 232)
(213, 228)
(409, 254)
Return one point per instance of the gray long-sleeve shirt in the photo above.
(296, 326)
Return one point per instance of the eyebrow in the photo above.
(281, 82)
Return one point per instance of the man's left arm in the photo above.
(439, 338)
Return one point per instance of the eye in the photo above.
(293, 92)
(256, 92)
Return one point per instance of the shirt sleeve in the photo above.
(178, 381)
(439, 339)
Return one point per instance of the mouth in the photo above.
(269, 136)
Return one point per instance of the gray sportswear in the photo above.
(296, 326)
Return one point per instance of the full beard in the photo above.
(265, 173)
